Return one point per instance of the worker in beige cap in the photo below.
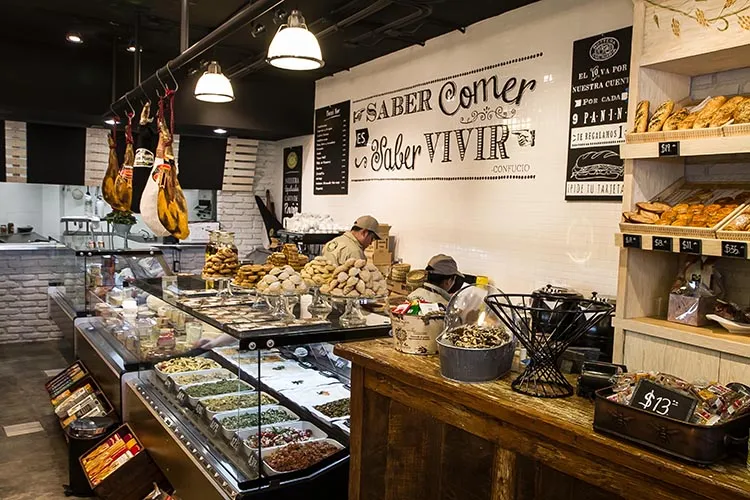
(442, 276)
(352, 244)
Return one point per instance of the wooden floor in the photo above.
(33, 463)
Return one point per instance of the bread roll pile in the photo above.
(687, 214)
(717, 112)
(249, 275)
(282, 281)
(318, 272)
(356, 278)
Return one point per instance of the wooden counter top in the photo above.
(566, 423)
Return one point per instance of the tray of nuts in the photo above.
(298, 456)
(477, 336)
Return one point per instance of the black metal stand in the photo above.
(521, 314)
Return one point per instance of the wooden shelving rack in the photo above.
(666, 54)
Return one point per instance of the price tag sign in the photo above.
(734, 249)
(170, 384)
(252, 461)
(235, 443)
(662, 243)
(215, 426)
(690, 245)
(663, 401)
(181, 397)
(670, 148)
(632, 241)
(200, 410)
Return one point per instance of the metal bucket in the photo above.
(475, 365)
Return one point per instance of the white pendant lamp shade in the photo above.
(294, 47)
(213, 86)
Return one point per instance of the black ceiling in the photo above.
(346, 42)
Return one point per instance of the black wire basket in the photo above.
(545, 341)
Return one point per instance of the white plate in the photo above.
(318, 395)
(317, 434)
(272, 472)
(730, 325)
(308, 381)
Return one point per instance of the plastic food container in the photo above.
(228, 433)
(344, 424)
(267, 451)
(241, 385)
(220, 374)
(241, 436)
(210, 415)
(474, 365)
(317, 413)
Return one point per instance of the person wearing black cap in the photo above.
(442, 275)
(352, 244)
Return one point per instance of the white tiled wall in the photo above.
(521, 234)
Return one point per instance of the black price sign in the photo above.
(361, 138)
(170, 384)
(734, 249)
(690, 245)
(670, 148)
(199, 409)
(181, 397)
(235, 443)
(215, 426)
(252, 461)
(662, 243)
(663, 401)
(632, 241)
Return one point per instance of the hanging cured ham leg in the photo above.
(149, 198)
(108, 183)
(172, 206)
(124, 181)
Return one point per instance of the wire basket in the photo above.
(524, 316)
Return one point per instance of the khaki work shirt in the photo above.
(342, 248)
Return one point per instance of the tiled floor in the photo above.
(33, 463)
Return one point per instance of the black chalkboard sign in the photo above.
(670, 148)
(632, 241)
(734, 249)
(663, 401)
(332, 149)
(291, 195)
(690, 245)
(662, 243)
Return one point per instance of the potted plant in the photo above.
(122, 222)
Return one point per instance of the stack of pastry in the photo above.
(222, 264)
(277, 259)
(249, 275)
(691, 213)
(739, 223)
(717, 112)
(318, 272)
(282, 280)
(356, 278)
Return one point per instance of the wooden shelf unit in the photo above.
(710, 247)
(662, 63)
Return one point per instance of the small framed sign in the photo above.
(670, 148)
(734, 249)
(690, 245)
(181, 397)
(663, 401)
(215, 426)
(632, 241)
(662, 243)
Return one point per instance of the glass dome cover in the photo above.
(467, 306)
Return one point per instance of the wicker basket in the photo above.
(643, 137)
(692, 133)
(736, 130)
(723, 234)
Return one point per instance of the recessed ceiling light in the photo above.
(110, 121)
(131, 48)
(74, 37)
(220, 131)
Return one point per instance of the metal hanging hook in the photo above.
(143, 91)
(115, 116)
(162, 86)
(176, 85)
(132, 110)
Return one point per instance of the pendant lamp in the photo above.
(294, 47)
(213, 86)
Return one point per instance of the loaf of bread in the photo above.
(688, 122)
(674, 120)
(709, 110)
(660, 116)
(641, 117)
(726, 112)
(655, 207)
(742, 113)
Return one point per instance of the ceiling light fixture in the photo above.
(294, 47)
(220, 131)
(110, 121)
(74, 37)
(213, 86)
(131, 47)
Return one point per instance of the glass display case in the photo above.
(216, 381)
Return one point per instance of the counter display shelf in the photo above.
(511, 445)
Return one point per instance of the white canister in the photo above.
(417, 334)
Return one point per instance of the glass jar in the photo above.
(194, 331)
(213, 243)
(229, 253)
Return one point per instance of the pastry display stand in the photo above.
(221, 284)
(353, 316)
(282, 305)
(573, 317)
(320, 307)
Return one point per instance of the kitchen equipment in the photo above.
(550, 305)
(566, 319)
(25, 229)
(596, 375)
(600, 336)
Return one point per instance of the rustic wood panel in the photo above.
(239, 169)
(557, 433)
(466, 456)
(504, 476)
(643, 352)
(376, 410)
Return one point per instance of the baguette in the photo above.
(660, 116)
(674, 120)
(742, 113)
(707, 113)
(641, 117)
(726, 112)
(688, 122)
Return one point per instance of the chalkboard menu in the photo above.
(332, 149)
(292, 189)
(598, 116)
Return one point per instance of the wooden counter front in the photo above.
(418, 436)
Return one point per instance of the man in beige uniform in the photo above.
(352, 244)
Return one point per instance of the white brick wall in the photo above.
(24, 279)
(726, 83)
(238, 212)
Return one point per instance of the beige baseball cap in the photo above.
(370, 223)
(445, 265)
